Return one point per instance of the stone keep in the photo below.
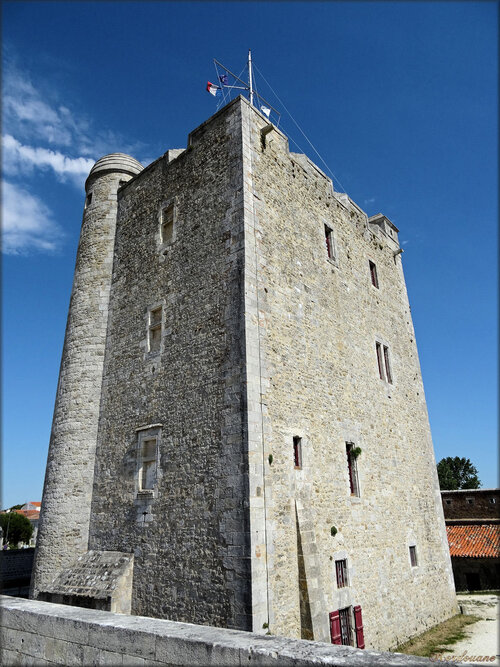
(240, 414)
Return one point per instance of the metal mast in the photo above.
(250, 76)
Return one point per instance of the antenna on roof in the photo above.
(222, 85)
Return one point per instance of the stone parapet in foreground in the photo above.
(44, 633)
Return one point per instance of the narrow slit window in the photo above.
(373, 274)
(413, 556)
(154, 329)
(388, 372)
(297, 452)
(378, 347)
(341, 572)
(147, 470)
(167, 225)
(330, 249)
(352, 467)
(88, 200)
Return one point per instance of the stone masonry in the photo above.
(262, 423)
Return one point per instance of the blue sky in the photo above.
(399, 98)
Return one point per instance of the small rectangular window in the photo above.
(469, 501)
(330, 248)
(413, 556)
(387, 365)
(167, 225)
(88, 199)
(448, 501)
(154, 329)
(147, 464)
(352, 466)
(378, 347)
(297, 452)
(341, 572)
(373, 274)
(493, 501)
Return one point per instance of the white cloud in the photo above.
(27, 223)
(28, 115)
(369, 201)
(18, 158)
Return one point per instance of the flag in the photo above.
(223, 79)
(266, 110)
(213, 89)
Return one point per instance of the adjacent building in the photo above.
(473, 526)
(240, 435)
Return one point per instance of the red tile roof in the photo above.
(29, 514)
(474, 540)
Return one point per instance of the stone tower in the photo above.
(64, 526)
(262, 457)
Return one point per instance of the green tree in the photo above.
(16, 527)
(457, 473)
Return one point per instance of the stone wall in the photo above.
(15, 571)
(476, 574)
(42, 633)
(189, 532)
(319, 319)
(471, 504)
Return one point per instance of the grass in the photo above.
(478, 593)
(437, 638)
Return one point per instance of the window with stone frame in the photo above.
(373, 273)
(297, 452)
(413, 556)
(383, 362)
(330, 243)
(341, 573)
(147, 462)
(352, 468)
(155, 325)
(346, 627)
(167, 224)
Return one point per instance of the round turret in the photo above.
(115, 162)
(65, 516)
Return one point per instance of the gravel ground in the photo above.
(482, 637)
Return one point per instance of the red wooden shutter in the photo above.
(335, 627)
(358, 623)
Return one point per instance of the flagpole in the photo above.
(250, 76)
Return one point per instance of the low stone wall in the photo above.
(44, 633)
